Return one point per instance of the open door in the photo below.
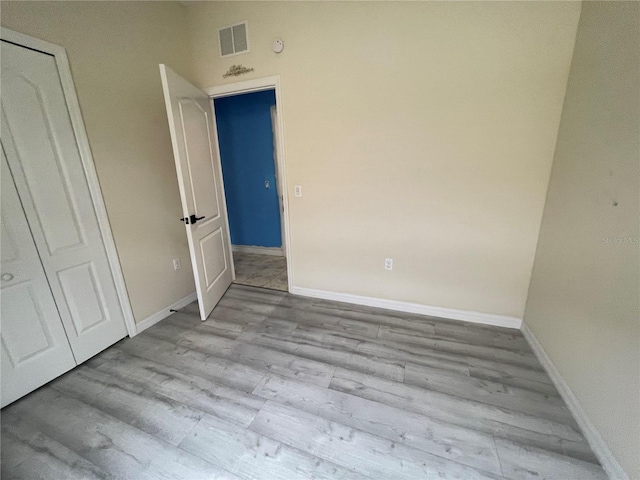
(201, 189)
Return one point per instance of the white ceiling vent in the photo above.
(234, 39)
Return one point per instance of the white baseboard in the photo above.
(441, 312)
(596, 442)
(165, 312)
(276, 251)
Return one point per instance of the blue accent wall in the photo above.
(246, 151)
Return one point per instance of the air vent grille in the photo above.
(233, 39)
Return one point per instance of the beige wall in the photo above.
(419, 131)
(114, 49)
(584, 295)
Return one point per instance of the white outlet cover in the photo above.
(176, 264)
(298, 190)
(388, 263)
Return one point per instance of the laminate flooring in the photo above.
(267, 271)
(274, 386)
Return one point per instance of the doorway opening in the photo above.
(247, 131)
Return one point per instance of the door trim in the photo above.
(59, 53)
(259, 85)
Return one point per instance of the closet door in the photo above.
(45, 161)
(33, 347)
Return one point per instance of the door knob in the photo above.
(7, 277)
(191, 219)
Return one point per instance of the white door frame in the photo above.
(259, 85)
(73, 106)
(279, 186)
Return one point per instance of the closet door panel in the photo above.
(34, 346)
(45, 175)
(45, 160)
(83, 293)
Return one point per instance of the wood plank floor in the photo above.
(256, 270)
(274, 386)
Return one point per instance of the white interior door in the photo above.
(46, 165)
(201, 189)
(34, 347)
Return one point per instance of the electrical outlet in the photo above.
(297, 191)
(176, 264)
(388, 263)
